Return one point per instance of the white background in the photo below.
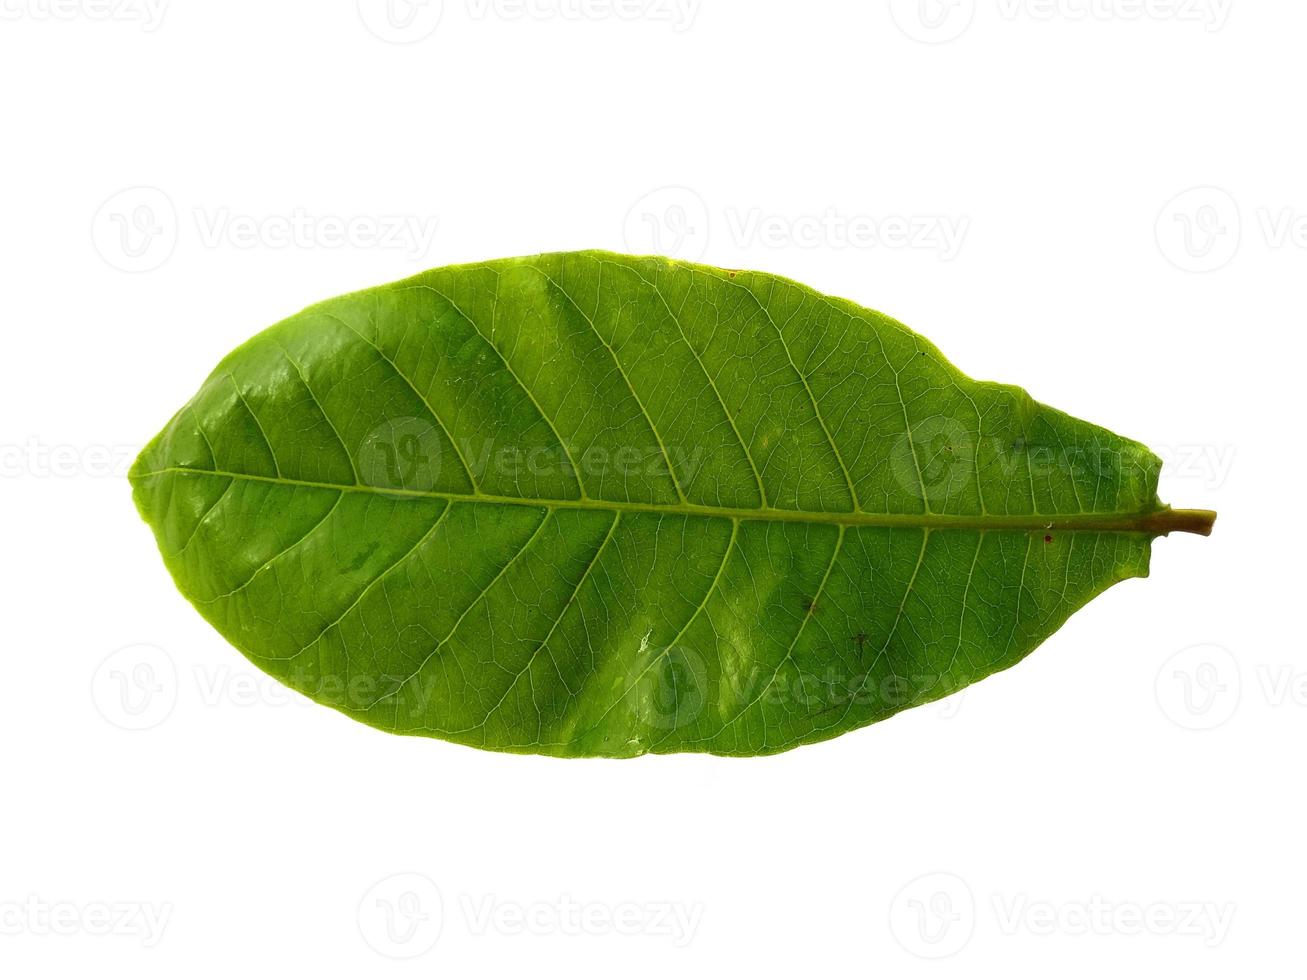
(1104, 202)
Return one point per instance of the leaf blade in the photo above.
(756, 514)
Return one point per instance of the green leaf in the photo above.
(587, 504)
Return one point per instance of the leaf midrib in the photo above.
(1152, 522)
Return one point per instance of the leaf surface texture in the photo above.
(588, 504)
